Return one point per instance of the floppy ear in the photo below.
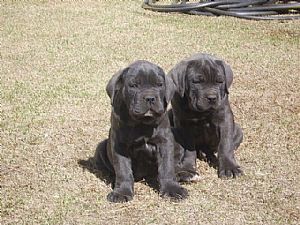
(228, 74)
(170, 88)
(115, 84)
(178, 74)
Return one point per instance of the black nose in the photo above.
(211, 98)
(149, 99)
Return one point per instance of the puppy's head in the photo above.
(204, 80)
(144, 88)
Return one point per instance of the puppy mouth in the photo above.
(204, 107)
(149, 113)
(201, 107)
(147, 117)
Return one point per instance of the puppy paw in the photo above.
(211, 159)
(185, 176)
(230, 173)
(117, 197)
(174, 191)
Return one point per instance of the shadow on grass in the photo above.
(96, 166)
(99, 165)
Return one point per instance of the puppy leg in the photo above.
(228, 167)
(123, 188)
(238, 136)
(186, 172)
(166, 173)
(101, 159)
(207, 154)
(186, 165)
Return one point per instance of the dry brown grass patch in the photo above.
(56, 58)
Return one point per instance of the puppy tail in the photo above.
(101, 158)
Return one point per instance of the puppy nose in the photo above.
(211, 98)
(149, 99)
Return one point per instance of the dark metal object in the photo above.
(246, 9)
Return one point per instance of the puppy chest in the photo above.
(144, 148)
(204, 132)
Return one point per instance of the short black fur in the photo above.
(203, 117)
(140, 143)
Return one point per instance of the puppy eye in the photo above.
(197, 81)
(220, 81)
(160, 84)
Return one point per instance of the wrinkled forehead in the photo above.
(207, 69)
(144, 76)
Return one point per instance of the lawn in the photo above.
(55, 60)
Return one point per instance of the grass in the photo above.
(56, 58)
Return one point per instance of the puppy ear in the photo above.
(170, 88)
(115, 84)
(178, 74)
(228, 74)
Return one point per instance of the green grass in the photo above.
(55, 60)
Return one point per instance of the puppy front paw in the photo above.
(234, 172)
(119, 197)
(228, 168)
(174, 191)
(186, 176)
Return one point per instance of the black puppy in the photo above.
(203, 117)
(140, 143)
